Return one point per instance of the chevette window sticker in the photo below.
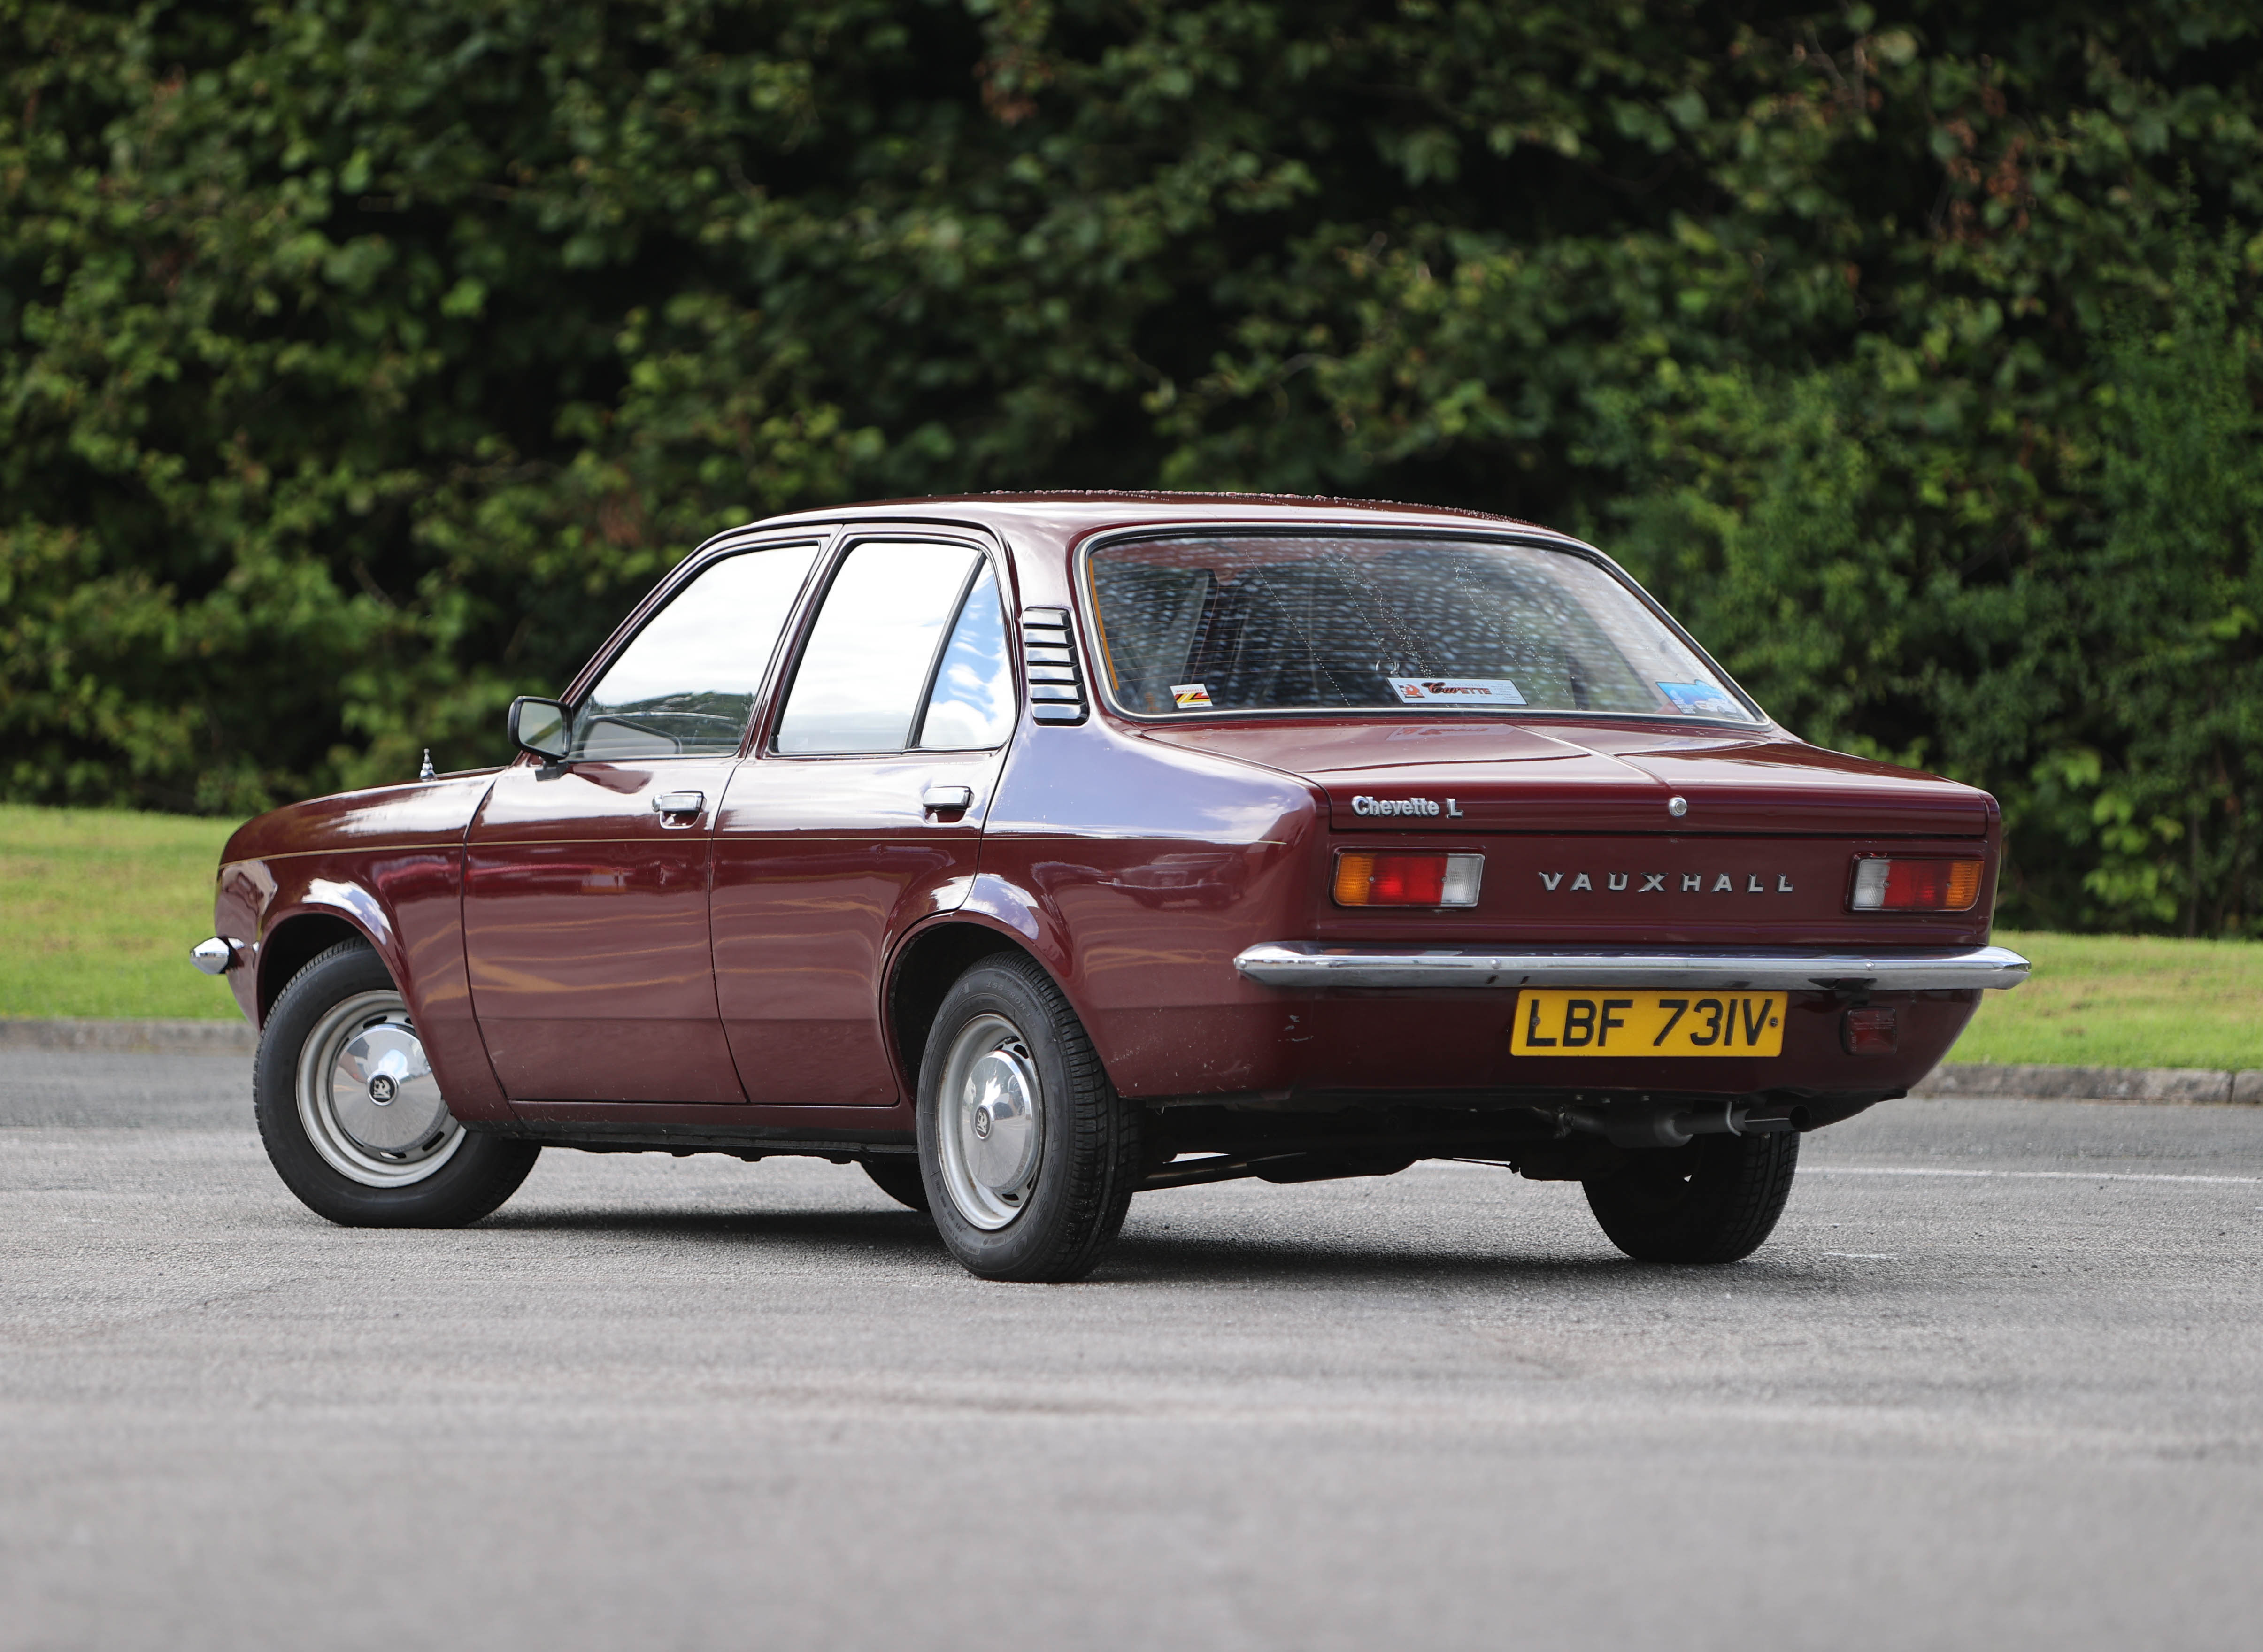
(1692, 882)
(1456, 690)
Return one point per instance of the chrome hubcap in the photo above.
(990, 1120)
(367, 1097)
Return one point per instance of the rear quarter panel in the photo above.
(1136, 872)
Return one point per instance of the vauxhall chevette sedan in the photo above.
(1033, 851)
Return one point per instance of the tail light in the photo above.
(1366, 879)
(1870, 1031)
(1895, 883)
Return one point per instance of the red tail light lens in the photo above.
(1894, 884)
(1374, 879)
(1872, 1031)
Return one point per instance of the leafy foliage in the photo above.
(362, 362)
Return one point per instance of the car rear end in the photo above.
(1565, 865)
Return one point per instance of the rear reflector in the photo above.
(1869, 1032)
(1364, 878)
(1891, 883)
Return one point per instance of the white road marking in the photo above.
(1928, 1170)
(2030, 1175)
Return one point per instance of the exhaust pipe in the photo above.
(1673, 1127)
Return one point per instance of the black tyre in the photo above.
(899, 1176)
(1713, 1201)
(352, 1116)
(1030, 1156)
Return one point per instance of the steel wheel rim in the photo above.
(990, 1121)
(367, 1099)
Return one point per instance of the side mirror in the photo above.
(540, 726)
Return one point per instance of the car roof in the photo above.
(1073, 514)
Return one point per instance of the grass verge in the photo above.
(2125, 1001)
(98, 909)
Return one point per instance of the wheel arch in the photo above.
(296, 942)
(926, 965)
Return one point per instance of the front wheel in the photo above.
(1715, 1200)
(352, 1116)
(1029, 1155)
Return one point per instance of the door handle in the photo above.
(947, 799)
(675, 803)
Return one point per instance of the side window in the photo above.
(867, 662)
(685, 685)
(970, 707)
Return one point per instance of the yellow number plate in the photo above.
(1606, 1022)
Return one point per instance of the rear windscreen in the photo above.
(1233, 623)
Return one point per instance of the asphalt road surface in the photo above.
(1998, 1382)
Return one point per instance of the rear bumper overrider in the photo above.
(1311, 964)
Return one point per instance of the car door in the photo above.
(862, 816)
(586, 881)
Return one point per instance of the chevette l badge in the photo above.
(1364, 805)
(1691, 882)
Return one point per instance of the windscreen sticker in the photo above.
(1190, 697)
(1456, 692)
(1700, 699)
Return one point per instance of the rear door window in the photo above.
(870, 664)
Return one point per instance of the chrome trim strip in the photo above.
(1313, 964)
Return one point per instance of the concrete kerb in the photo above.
(2171, 1087)
(139, 1037)
(2175, 1087)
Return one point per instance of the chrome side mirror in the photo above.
(540, 726)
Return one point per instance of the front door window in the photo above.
(686, 685)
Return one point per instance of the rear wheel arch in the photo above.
(927, 967)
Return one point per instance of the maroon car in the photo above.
(1033, 850)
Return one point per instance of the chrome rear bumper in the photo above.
(1311, 964)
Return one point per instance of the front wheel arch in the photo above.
(293, 944)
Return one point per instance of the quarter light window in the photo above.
(1232, 623)
(686, 683)
(874, 644)
(972, 706)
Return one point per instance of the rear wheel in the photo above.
(1030, 1157)
(1715, 1200)
(351, 1115)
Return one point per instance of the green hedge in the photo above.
(359, 363)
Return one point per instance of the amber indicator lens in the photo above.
(1373, 879)
(1871, 1031)
(1892, 883)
